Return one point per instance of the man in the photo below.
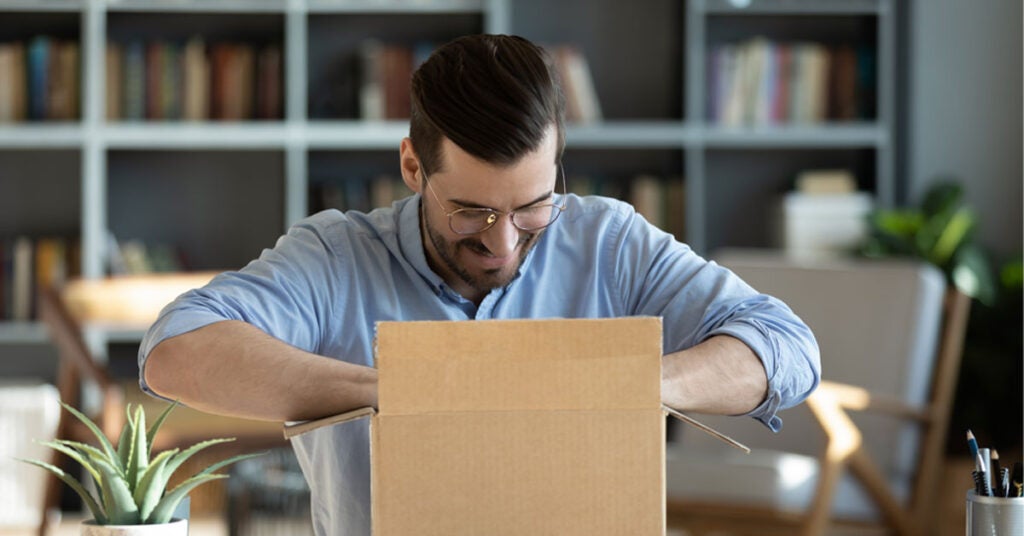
(290, 336)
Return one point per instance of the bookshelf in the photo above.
(221, 190)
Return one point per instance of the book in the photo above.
(133, 84)
(397, 73)
(62, 91)
(12, 92)
(154, 81)
(269, 76)
(675, 207)
(581, 101)
(171, 82)
(113, 75)
(372, 105)
(842, 84)
(648, 198)
(196, 80)
(50, 262)
(21, 280)
(38, 58)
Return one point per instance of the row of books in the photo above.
(29, 263)
(661, 200)
(193, 81)
(359, 194)
(39, 80)
(385, 71)
(762, 82)
(136, 257)
(582, 104)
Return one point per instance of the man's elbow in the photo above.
(160, 372)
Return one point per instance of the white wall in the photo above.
(965, 108)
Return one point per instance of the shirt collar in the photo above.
(411, 242)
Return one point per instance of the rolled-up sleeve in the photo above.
(699, 299)
(276, 293)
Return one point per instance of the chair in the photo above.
(866, 449)
(78, 367)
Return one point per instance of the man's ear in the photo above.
(410, 166)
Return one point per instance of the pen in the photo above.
(997, 475)
(983, 473)
(1018, 479)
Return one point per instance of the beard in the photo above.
(480, 280)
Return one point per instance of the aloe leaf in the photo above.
(72, 482)
(179, 459)
(151, 486)
(124, 442)
(90, 451)
(100, 436)
(159, 422)
(229, 461)
(139, 458)
(165, 508)
(117, 497)
(77, 456)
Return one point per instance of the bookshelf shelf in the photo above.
(789, 7)
(41, 135)
(867, 134)
(327, 134)
(48, 6)
(198, 6)
(168, 135)
(249, 180)
(403, 7)
(630, 134)
(23, 333)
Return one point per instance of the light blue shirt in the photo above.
(333, 276)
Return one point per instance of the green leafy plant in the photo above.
(940, 231)
(131, 482)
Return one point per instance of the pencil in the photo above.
(973, 445)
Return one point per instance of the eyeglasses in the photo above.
(468, 221)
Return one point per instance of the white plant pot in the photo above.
(177, 527)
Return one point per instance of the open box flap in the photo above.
(292, 429)
(298, 428)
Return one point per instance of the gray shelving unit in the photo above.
(649, 67)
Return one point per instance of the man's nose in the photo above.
(502, 238)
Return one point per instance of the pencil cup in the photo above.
(994, 516)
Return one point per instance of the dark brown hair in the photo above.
(492, 95)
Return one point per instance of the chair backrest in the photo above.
(878, 325)
(77, 365)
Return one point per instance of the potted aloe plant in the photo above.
(133, 498)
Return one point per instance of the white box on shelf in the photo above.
(822, 224)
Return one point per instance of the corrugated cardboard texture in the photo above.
(511, 365)
(528, 473)
(519, 427)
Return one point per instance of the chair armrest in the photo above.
(860, 399)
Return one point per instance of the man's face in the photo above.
(474, 264)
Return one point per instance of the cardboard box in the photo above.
(517, 427)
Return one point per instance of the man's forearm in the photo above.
(722, 375)
(233, 368)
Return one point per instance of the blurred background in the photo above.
(140, 138)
